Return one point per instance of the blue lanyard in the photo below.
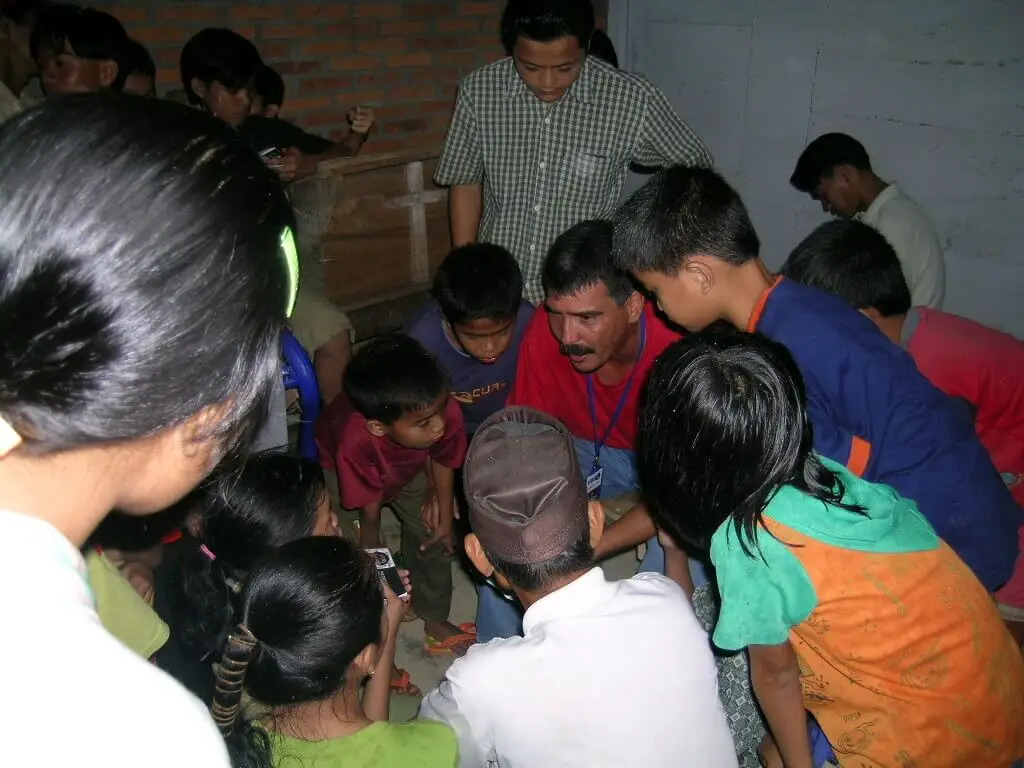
(599, 444)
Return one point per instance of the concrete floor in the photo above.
(426, 671)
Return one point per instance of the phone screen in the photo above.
(388, 571)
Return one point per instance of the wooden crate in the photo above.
(373, 228)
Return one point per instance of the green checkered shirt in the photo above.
(545, 167)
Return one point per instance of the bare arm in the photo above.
(677, 563)
(630, 530)
(377, 695)
(775, 675)
(369, 525)
(329, 362)
(465, 205)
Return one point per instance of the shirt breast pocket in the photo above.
(588, 180)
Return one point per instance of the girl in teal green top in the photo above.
(314, 626)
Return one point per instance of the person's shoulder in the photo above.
(344, 424)
(609, 78)
(424, 324)
(428, 733)
(537, 334)
(901, 210)
(497, 74)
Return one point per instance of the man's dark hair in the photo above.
(546, 21)
(601, 46)
(91, 34)
(538, 576)
(218, 56)
(581, 257)
(476, 281)
(269, 86)
(680, 213)
(391, 376)
(853, 261)
(138, 61)
(819, 160)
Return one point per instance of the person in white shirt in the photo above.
(607, 673)
(835, 170)
(145, 276)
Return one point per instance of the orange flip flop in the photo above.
(403, 684)
(434, 647)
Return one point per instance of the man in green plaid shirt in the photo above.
(543, 140)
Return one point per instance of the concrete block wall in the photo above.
(404, 58)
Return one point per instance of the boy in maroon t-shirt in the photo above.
(395, 437)
(967, 360)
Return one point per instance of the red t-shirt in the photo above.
(372, 469)
(983, 366)
(546, 380)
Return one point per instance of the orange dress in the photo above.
(904, 659)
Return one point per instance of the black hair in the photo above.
(91, 34)
(269, 86)
(139, 61)
(481, 280)
(819, 160)
(218, 56)
(546, 20)
(393, 375)
(247, 514)
(723, 425)
(853, 261)
(680, 213)
(141, 274)
(538, 576)
(307, 612)
(581, 257)
(601, 46)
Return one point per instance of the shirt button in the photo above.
(536, 209)
(547, 119)
(543, 165)
(533, 248)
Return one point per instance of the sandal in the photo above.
(403, 684)
(434, 647)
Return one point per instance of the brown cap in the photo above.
(527, 497)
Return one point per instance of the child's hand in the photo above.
(293, 165)
(141, 578)
(361, 119)
(395, 609)
(403, 574)
(443, 535)
(666, 541)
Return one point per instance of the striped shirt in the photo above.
(546, 167)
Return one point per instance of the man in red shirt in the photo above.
(979, 365)
(584, 359)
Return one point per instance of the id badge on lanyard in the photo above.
(596, 474)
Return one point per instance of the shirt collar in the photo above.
(576, 598)
(581, 90)
(884, 196)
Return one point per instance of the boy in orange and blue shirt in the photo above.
(687, 238)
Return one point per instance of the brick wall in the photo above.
(404, 59)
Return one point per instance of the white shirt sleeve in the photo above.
(920, 255)
(443, 705)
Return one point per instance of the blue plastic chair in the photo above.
(297, 370)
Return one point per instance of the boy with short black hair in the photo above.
(141, 78)
(79, 50)
(964, 359)
(218, 71)
(687, 237)
(474, 324)
(267, 92)
(835, 170)
(396, 439)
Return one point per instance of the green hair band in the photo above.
(291, 260)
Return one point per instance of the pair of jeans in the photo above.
(498, 616)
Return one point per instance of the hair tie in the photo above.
(227, 693)
(207, 551)
(291, 262)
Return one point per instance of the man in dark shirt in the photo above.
(218, 68)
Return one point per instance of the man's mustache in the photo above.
(575, 350)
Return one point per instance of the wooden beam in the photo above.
(342, 166)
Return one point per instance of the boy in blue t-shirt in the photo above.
(687, 237)
(473, 325)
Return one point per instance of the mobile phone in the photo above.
(388, 571)
(270, 153)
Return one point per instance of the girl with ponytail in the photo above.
(144, 283)
(314, 623)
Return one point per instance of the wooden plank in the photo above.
(345, 166)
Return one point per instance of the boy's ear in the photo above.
(700, 273)
(376, 428)
(595, 513)
(871, 314)
(198, 87)
(477, 557)
(272, 110)
(108, 72)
